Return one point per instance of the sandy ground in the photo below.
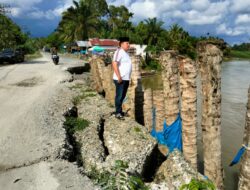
(32, 140)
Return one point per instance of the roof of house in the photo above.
(83, 43)
(103, 42)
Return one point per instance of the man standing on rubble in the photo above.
(122, 66)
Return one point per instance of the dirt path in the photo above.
(31, 134)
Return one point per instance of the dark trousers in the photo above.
(121, 91)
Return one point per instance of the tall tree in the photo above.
(154, 30)
(11, 34)
(81, 20)
(119, 21)
(176, 33)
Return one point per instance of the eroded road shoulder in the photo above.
(32, 139)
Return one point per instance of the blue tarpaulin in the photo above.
(170, 136)
(238, 156)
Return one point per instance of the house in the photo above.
(106, 44)
(78, 47)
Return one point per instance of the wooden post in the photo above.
(188, 88)
(210, 58)
(244, 178)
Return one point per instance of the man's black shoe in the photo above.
(119, 116)
(124, 114)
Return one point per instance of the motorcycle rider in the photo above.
(54, 55)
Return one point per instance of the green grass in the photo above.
(196, 184)
(84, 94)
(137, 129)
(76, 86)
(240, 54)
(117, 178)
(73, 124)
(35, 55)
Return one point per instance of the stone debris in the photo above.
(108, 139)
(176, 171)
(128, 141)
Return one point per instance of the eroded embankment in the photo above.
(105, 140)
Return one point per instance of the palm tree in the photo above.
(176, 33)
(81, 20)
(119, 21)
(154, 29)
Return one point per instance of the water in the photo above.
(234, 86)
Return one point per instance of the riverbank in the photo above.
(237, 55)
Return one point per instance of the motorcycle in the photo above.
(55, 59)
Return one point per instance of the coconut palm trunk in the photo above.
(170, 73)
(148, 109)
(134, 100)
(96, 74)
(210, 58)
(244, 178)
(158, 104)
(108, 83)
(188, 73)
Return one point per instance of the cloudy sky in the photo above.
(229, 19)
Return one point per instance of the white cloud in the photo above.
(200, 4)
(223, 29)
(15, 11)
(145, 9)
(62, 7)
(240, 6)
(153, 8)
(197, 18)
(21, 3)
(211, 14)
(243, 19)
(42, 14)
(119, 2)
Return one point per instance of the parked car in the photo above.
(11, 56)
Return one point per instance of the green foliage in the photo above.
(11, 35)
(53, 40)
(93, 18)
(81, 20)
(29, 47)
(240, 54)
(198, 185)
(73, 124)
(35, 55)
(241, 47)
(117, 178)
(137, 129)
(119, 21)
(150, 63)
(83, 94)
